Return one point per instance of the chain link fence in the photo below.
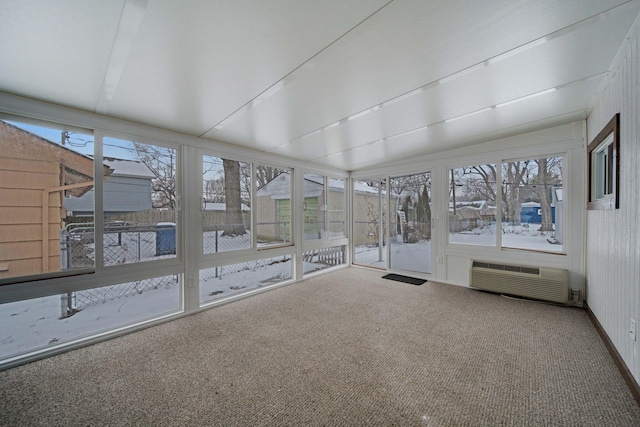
(124, 243)
(214, 238)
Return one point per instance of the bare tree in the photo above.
(214, 190)
(234, 225)
(513, 174)
(549, 175)
(161, 162)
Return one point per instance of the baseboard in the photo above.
(633, 385)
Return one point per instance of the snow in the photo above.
(411, 256)
(129, 168)
(35, 324)
(523, 236)
(404, 256)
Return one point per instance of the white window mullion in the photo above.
(189, 187)
(98, 208)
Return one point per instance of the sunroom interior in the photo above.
(181, 156)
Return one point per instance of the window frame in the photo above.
(499, 161)
(609, 200)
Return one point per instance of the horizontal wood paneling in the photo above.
(25, 267)
(26, 232)
(29, 165)
(26, 250)
(27, 215)
(26, 198)
(613, 236)
(28, 180)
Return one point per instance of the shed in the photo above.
(324, 215)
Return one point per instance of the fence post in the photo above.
(216, 231)
(66, 306)
(65, 261)
(138, 246)
(64, 250)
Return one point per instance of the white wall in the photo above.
(613, 236)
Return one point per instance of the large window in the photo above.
(140, 199)
(323, 207)
(530, 212)
(273, 206)
(226, 201)
(43, 171)
(532, 204)
(472, 205)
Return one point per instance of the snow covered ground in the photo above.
(523, 236)
(417, 256)
(35, 323)
(404, 256)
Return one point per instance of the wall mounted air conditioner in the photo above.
(549, 284)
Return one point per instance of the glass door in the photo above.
(410, 233)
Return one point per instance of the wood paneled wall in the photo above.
(613, 236)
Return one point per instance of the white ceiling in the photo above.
(348, 84)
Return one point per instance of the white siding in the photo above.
(613, 236)
(121, 194)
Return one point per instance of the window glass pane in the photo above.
(224, 281)
(472, 205)
(319, 259)
(273, 212)
(41, 322)
(336, 214)
(226, 212)
(532, 204)
(139, 202)
(603, 168)
(411, 231)
(314, 207)
(369, 222)
(43, 172)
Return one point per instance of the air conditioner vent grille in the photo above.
(550, 284)
(502, 267)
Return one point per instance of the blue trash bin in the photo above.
(166, 239)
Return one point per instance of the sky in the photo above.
(81, 143)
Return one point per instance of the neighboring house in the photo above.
(35, 176)
(322, 217)
(128, 189)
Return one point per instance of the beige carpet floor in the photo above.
(346, 348)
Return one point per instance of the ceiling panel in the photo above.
(560, 61)
(190, 67)
(403, 47)
(57, 51)
(561, 106)
(347, 84)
